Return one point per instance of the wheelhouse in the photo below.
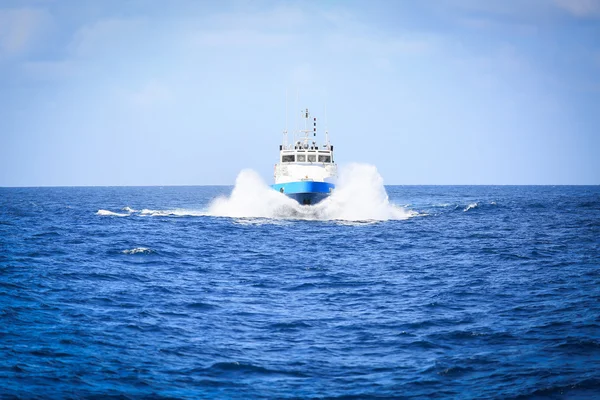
(314, 156)
(308, 156)
(306, 153)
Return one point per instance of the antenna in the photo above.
(285, 138)
(286, 108)
(297, 122)
(326, 127)
(306, 122)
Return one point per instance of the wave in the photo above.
(107, 213)
(235, 367)
(138, 250)
(471, 206)
(172, 213)
(152, 213)
(359, 196)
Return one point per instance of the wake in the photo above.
(359, 196)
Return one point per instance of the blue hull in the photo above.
(305, 192)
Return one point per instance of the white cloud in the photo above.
(20, 28)
(580, 8)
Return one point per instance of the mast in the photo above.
(306, 126)
(285, 132)
(326, 129)
(306, 130)
(297, 123)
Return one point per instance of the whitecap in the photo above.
(138, 250)
(108, 213)
(471, 206)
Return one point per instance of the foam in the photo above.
(471, 206)
(359, 196)
(252, 198)
(138, 250)
(172, 213)
(107, 213)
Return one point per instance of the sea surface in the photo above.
(462, 292)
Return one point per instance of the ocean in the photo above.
(462, 292)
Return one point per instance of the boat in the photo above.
(306, 172)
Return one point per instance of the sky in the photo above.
(143, 92)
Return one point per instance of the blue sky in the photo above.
(186, 92)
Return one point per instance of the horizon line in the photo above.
(233, 185)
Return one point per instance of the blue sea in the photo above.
(462, 292)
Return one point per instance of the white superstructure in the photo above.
(304, 159)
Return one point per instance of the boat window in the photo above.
(289, 158)
(301, 158)
(312, 158)
(325, 159)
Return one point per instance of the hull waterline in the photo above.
(305, 192)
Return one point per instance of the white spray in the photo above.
(250, 198)
(359, 196)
